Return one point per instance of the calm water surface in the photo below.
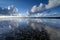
(7, 26)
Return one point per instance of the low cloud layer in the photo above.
(42, 7)
(55, 14)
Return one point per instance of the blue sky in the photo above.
(24, 5)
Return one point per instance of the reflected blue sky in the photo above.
(50, 22)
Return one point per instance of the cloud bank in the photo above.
(11, 10)
(42, 7)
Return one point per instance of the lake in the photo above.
(15, 29)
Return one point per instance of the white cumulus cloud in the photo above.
(53, 3)
(42, 7)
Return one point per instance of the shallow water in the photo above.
(8, 26)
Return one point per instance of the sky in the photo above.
(33, 6)
(22, 5)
